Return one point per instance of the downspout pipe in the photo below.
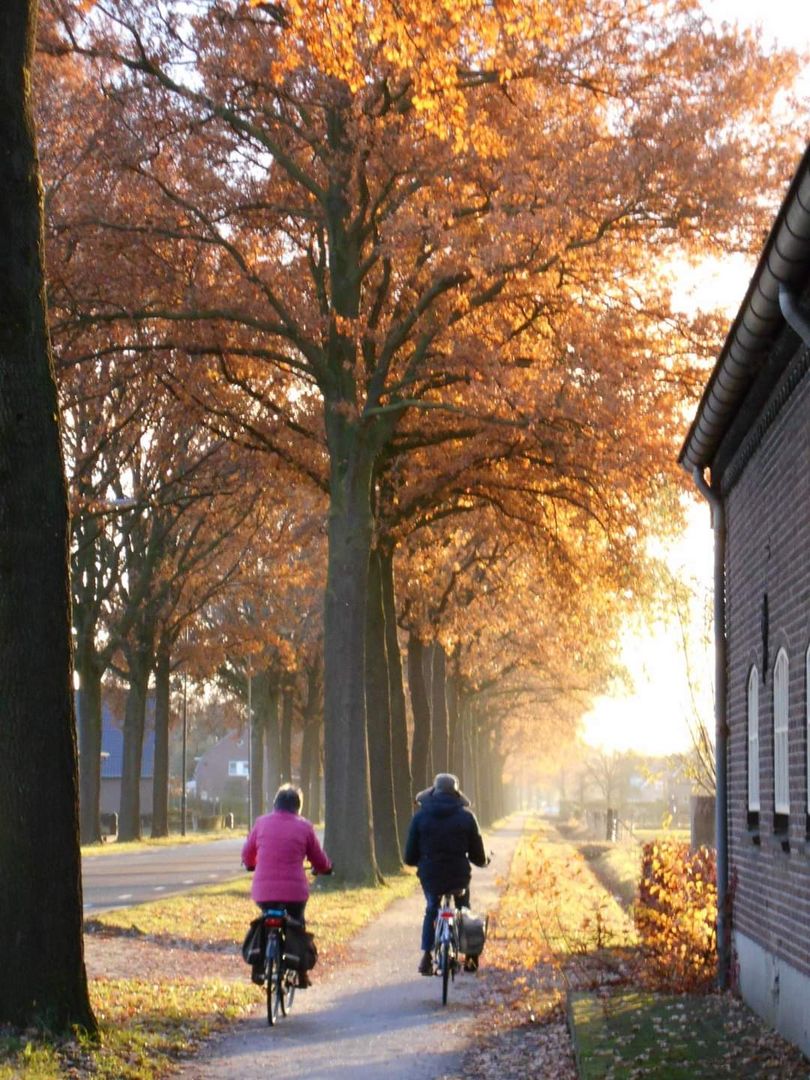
(721, 727)
(794, 316)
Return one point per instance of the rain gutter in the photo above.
(783, 267)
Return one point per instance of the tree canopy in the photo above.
(416, 253)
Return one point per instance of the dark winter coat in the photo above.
(443, 840)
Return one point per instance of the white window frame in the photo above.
(237, 768)
(753, 740)
(781, 748)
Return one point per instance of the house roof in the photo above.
(785, 261)
(112, 743)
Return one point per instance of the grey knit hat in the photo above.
(446, 783)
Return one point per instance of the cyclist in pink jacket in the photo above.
(276, 848)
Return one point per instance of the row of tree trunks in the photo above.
(486, 768)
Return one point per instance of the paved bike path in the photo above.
(373, 1017)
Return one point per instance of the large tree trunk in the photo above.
(266, 693)
(483, 763)
(160, 782)
(453, 725)
(310, 769)
(285, 748)
(41, 893)
(474, 755)
(257, 721)
(427, 675)
(311, 746)
(89, 726)
(403, 793)
(420, 746)
(129, 818)
(348, 833)
(378, 717)
(439, 727)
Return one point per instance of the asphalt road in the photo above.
(112, 880)
(372, 1017)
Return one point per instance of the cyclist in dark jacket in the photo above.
(443, 840)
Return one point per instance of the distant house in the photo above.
(112, 751)
(752, 432)
(112, 758)
(222, 773)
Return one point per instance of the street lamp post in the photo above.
(185, 750)
(250, 749)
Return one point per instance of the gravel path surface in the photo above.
(374, 1017)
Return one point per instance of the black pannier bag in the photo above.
(255, 943)
(472, 932)
(300, 950)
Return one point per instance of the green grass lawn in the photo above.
(631, 1035)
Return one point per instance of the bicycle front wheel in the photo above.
(445, 966)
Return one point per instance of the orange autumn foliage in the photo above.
(676, 914)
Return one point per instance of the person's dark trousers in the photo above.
(433, 899)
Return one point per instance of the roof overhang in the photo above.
(785, 261)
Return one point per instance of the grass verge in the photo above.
(630, 1034)
(169, 975)
(120, 847)
(556, 928)
(617, 866)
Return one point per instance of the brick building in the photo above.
(752, 432)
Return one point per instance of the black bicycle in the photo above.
(280, 978)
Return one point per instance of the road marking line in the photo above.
(125, 896)
(213, 875)
(190, 881)
(159, 888)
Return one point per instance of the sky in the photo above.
(652, 719)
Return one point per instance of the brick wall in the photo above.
(767, 486)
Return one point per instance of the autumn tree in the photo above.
(399, 212)
(39, 839)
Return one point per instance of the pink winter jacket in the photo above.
(277, 846)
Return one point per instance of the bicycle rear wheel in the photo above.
(273, 986)
(445, 966)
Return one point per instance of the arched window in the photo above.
(753, 740)
(781, 785)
